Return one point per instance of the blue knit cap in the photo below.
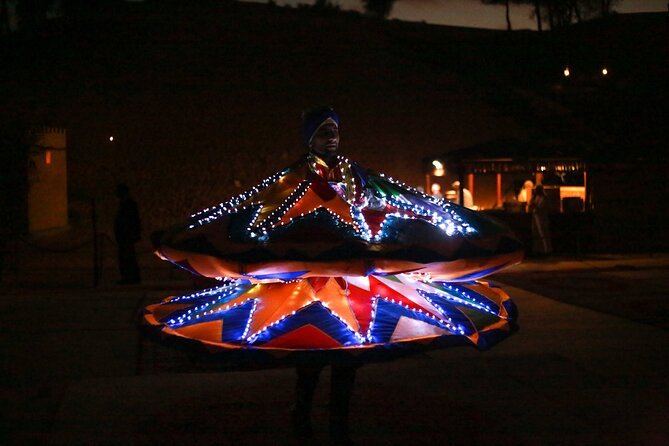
(313, 119)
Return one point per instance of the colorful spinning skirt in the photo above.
(334, 258)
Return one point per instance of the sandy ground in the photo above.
(76, 370)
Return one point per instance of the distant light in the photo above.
(605, 71)
(436, 189)
(47, 157)
(438, 168)
(111, 139)
(566, 72)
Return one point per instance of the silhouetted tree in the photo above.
(606, 6)
(560, 13)
(536, 13)
(378, 8)
(507, 4)
(325, 5)
(597, 8)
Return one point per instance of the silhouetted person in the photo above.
(525, 195)
(321, 136)
(541, 234)
(342, 380)
(127, 231)
(468, 200)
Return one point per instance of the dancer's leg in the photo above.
(343, 380)
(307, 379)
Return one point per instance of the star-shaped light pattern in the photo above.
(320, 257)
(336, 312)
(368, 208)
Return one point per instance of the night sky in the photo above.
(473, 13)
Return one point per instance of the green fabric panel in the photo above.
(481, 319)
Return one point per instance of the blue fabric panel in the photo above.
(451, 310)
(387, 316)
(360, 172)
(318, 316)
(281, 276)
(511, 309)
(234, 322)
(199, 304)
(474, 297)
(489, 338)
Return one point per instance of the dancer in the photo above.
(329, 263)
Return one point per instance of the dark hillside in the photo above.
(205, 101)
(204, 105)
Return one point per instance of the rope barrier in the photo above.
(55, 250)
(101, 236)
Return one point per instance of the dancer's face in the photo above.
(326, 139)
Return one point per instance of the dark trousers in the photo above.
(341, 389)
(127, 262)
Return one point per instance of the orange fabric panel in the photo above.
(204, 331)
(160, 311)
(278, 300)
(312, 201)
(335, 298)
(273, 196)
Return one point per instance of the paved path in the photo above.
(633, 287)
(76, 372)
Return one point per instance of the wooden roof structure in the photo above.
(510, 155)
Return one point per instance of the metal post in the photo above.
(586, 201)
(94, 225)
(461, 179)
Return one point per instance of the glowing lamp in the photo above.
(605, 72)
(438, 168)
(111, 139)
(566, 72)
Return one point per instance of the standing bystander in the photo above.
(127, 231)
(541, 234)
